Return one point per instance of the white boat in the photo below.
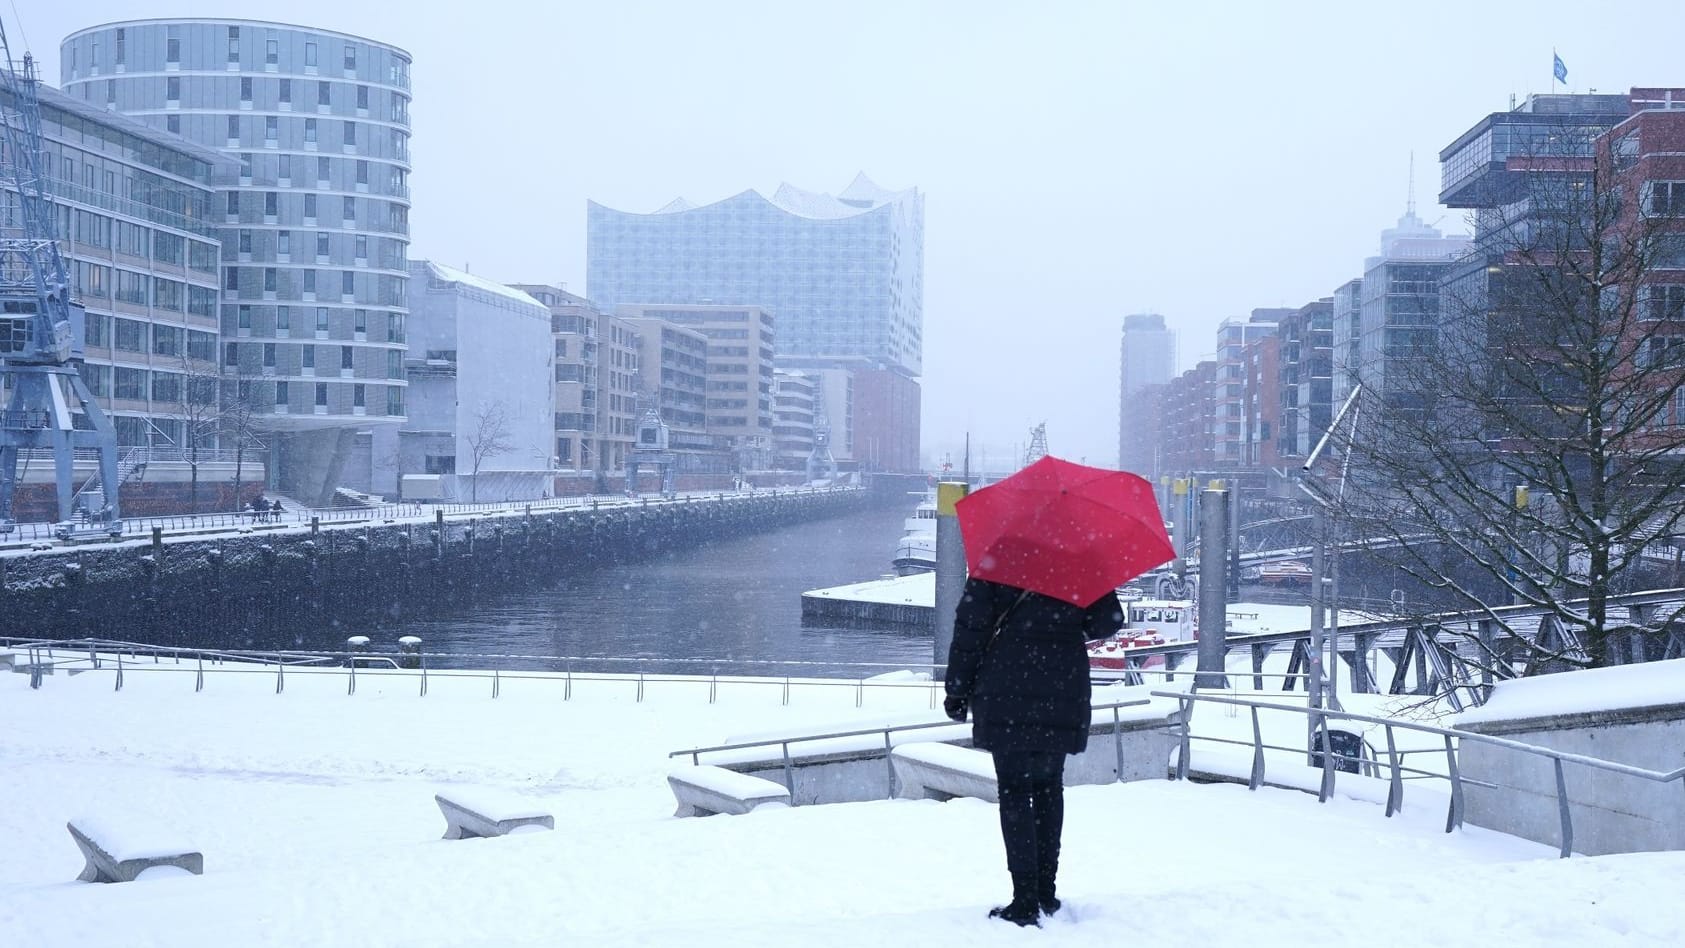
(1146, 622)
(916, 550)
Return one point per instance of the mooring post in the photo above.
(950, 570)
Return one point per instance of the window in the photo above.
(310, 283)
(244, 317)
(284, 243)
(395, 328)
(362, 247)
(129, 384)
(284, 167)
(310, 208)
(395, 401)
(271, 203)
(347, 283)
(286, 93)
(308, 355)
(172, 89)
(166, 340)
(271, 130)
(245, 168)
(363, 98)
(350, 58)
(172, 50)
(394, 364)
(345, 357)
(359, 395)
(309, 130)
(321, 243)
(350, 133)
(324, 94)
(97, 330)
(246, 91)
(168, 294)
(440, 463)
(281, 394)
(269, 355)
(172, 124)
(201, 301)
(268, 279)
(322, 394)
(233, 203)
(233, 44)
(245, 242)
(130, 333)
(166, 387)
(310, 54)
(322, 167)
(231, 353)
(1666, 199)
(348, 210)
(360, 321)
(283, 318)
(321, 319)
(272, 52)
(122, 51)
(234, 127)
(363, 173)
(1664, 301)
(201, 345)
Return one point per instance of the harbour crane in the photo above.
(47, 405)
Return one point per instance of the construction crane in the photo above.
(47, 405)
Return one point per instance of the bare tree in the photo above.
(1529, 447)
(488, 436)
(196, 407)
(239, 415)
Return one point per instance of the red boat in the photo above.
(1146, 622)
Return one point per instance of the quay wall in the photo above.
(263, 587)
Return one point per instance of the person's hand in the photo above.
(955, 707)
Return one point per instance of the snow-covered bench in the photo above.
(942, 771)
(121, 853)
(481, 814)
(705, 789)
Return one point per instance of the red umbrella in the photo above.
(1064, 530)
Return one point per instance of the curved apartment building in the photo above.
(315, 231)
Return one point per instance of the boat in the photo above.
(916, 550)
(1146, 622)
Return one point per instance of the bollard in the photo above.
(950, 568)
(409, 646)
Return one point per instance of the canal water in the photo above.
(725, 605)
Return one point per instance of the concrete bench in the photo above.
(942, 771)
(704, 790)
(122, 855)
(476, 815)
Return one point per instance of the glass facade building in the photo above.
(843, 276)
(142, 253)
(315, 225)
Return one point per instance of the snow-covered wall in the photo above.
(1633, 714)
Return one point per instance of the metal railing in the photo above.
(1320, 717)
(887, 732)
(42, 657)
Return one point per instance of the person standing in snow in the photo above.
(1019, 665)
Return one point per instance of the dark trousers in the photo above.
(1032, 813)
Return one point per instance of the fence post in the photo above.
(1562, 810)
(1256, 779)
(1454, 817)
(1395, 777)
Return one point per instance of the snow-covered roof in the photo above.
(444, 274)
(861, 196)
(1589, 691)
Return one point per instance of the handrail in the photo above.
(783, 743)
(1453, 738)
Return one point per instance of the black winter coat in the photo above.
(1029, 690)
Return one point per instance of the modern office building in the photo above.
(843, 275)
(1347, 334)
(596, 357)
(1230, 437)
(739, 372)
(1306, 366)
(315, 227)
(142, 253)
(481, 395)
(1147, 358)
(795, 397)
(1399, 306)
(673, 381)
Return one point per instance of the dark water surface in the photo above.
(733, 601)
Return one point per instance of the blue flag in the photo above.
(1560, 70)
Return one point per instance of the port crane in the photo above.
(46, 406)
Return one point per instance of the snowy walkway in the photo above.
(316, 816)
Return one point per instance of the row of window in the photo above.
(397, 215)
(131, 335)
(281, 320)
(96, 281)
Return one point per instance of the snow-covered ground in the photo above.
(314, 810)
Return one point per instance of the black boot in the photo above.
(1023, 909)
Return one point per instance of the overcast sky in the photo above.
(1081, 161)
